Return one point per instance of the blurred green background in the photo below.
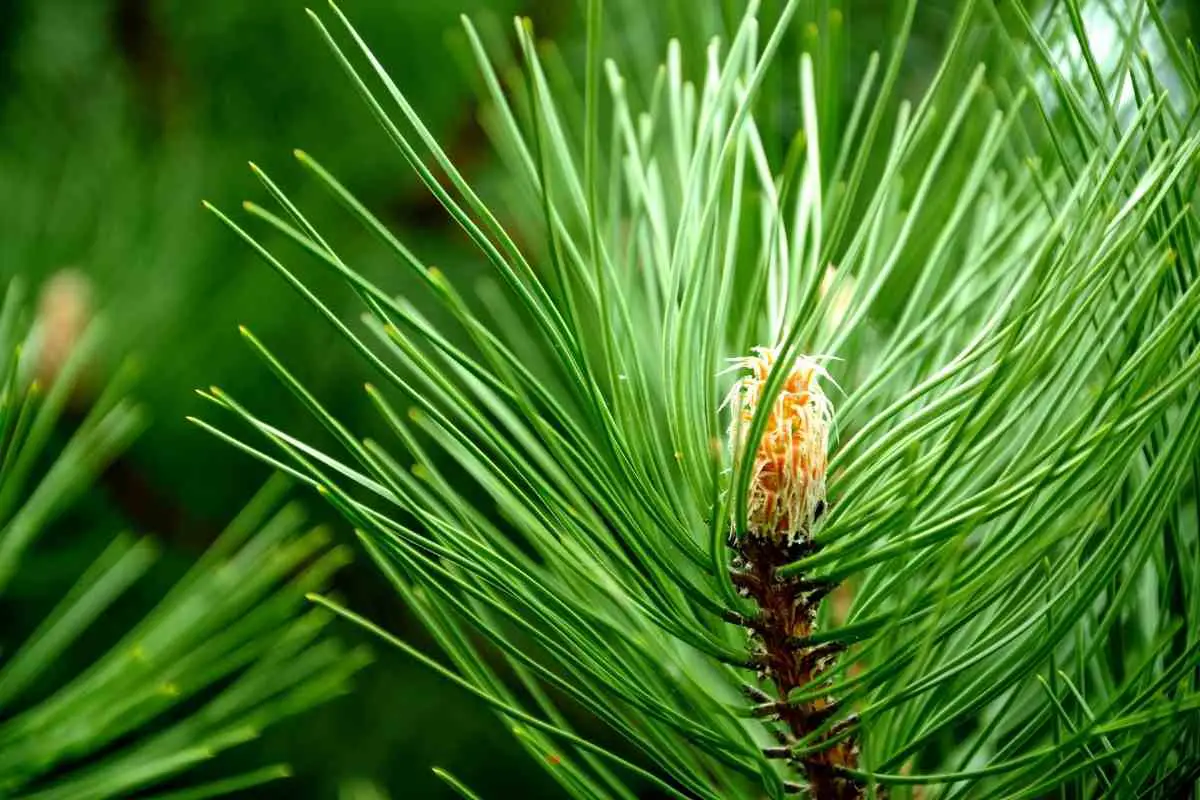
(116, 118)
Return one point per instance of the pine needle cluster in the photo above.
(995, 593)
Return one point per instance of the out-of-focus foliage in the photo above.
(230, 649)
(117, 117)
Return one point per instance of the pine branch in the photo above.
(1000, 280)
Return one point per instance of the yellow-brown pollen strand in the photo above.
(789, 460)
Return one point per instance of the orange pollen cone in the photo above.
(787, 482)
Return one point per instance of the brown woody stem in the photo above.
(787, 610)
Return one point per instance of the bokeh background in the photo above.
(116, 118)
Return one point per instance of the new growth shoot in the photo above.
(786, 496)
(787, 485)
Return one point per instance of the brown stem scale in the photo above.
(787, 610)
